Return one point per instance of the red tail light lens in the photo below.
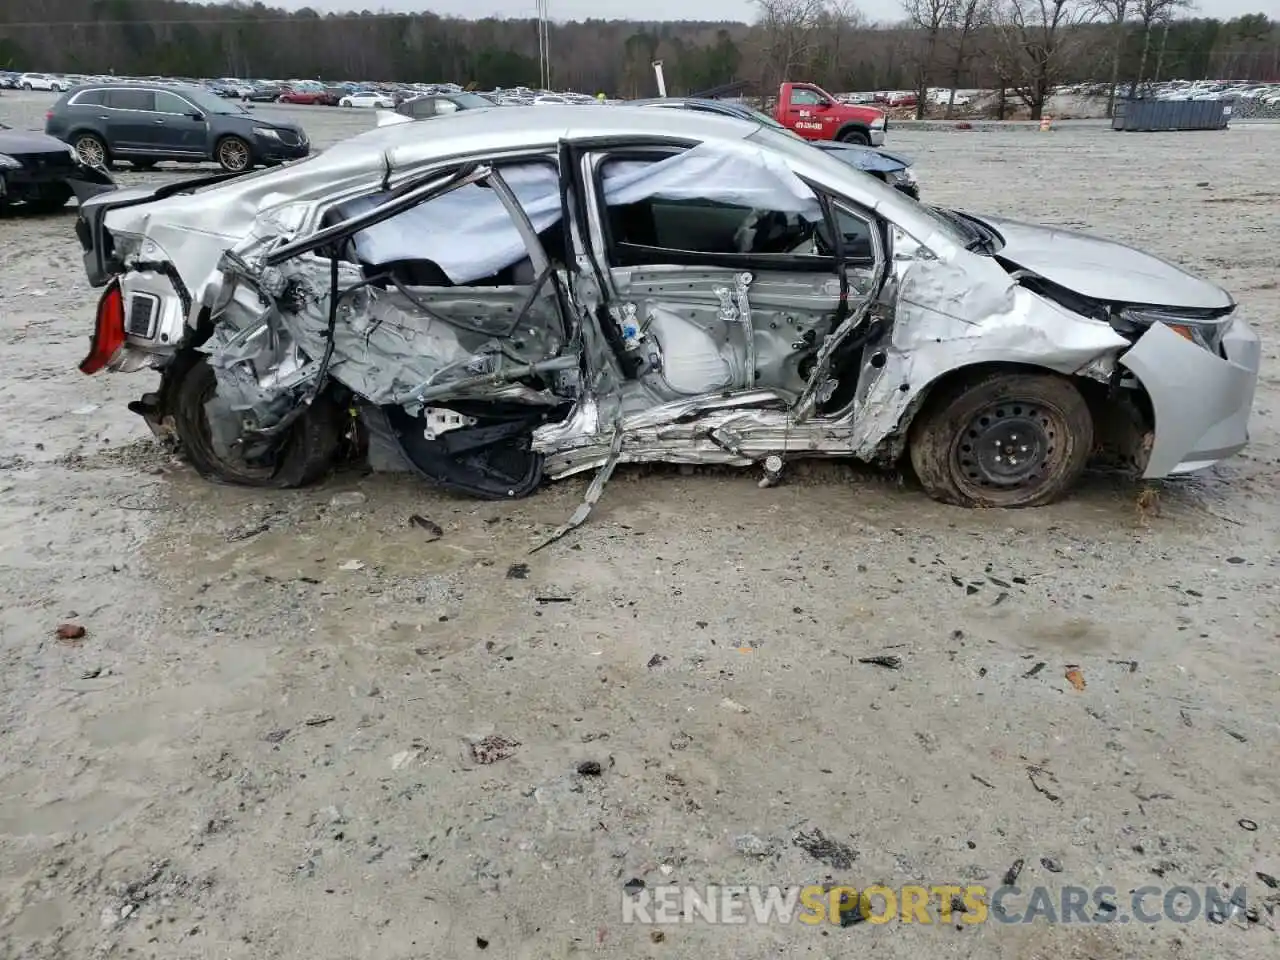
(108, 332)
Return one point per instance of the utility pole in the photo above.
(544, 46)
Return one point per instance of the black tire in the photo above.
(304, 457)
(233, 154)
(88, 146)
(855, 136)
(1002, 439)
(26, 86)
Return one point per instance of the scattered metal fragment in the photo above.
(1001, 597)
(1034, 670)
(986, 783)
(1186, 718)
(554, 599)
(493, 748)
(434, 530)
(245, 533)
(518, 571)
(1269, 880)
(318, 721)
(656, 660)
(593, 492)
(1011, 875)
(589, 768)
(1247, 824)
(276, 736)
(826, 850)
(1050, 864)
(1075, 677)
(1236, 736)
(890, 663)
(1033, 772)
(1131, 664)
(633, 886)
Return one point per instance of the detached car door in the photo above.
(734, 265)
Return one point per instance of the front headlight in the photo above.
(266, 132)
(9, 163)
(1197, 327)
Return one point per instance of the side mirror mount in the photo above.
(196, 115)
(824, 105)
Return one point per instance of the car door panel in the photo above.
(130, 129)
(175, 130)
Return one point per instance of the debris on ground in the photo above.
(633, 886)
(247, 532)
(433, 529)
(1247, 824)
(889, 663)
(749, 845)
(1075, 677)
(1035, 774)
(824, 849)
(656, 660)
(318, 721)
(347, 498)
(733, 705)
(589, 768)
(518, 571)
(70, 633)
(1050, 864)
(1015, 870)
(986, 783)
(352, 565)
(493, 748)
(1034, 670)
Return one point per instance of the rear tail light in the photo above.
(108, 331)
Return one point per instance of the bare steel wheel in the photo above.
(91, 151)
(1002, 439)
(233, 155)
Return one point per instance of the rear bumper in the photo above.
(1201, 402)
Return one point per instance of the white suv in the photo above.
(42, 81)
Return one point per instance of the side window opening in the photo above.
(465, 238)
(131, 99)
(805, 98)
(720, 209)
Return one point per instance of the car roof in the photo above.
(473, 131)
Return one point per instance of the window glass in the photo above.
(131, 99)
(426, 107)
(167, 102)
(90, 98)
(806, 98)
(713, 206)
(446, 106)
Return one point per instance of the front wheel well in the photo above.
(894, 448)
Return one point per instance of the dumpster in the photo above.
(1146, 115)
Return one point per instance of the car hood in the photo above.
(863, 158)
(14, 141)
(1104, 269)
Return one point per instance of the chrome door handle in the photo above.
(157, 121)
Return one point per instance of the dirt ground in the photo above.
(262, 747)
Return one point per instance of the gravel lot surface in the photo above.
(266, 743)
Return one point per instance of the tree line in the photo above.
(1023, 46)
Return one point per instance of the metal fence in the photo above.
(1146, 115)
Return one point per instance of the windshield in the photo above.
(468, 101)
(763, 118)
(211, 102)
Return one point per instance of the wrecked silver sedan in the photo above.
(529, 294)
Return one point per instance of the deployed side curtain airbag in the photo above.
(470, 235)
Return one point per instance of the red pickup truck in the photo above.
(816, 115)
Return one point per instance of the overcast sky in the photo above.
(669, 9)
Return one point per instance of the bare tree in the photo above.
(789, 34)
(1117, 12)
(1150, 13)
(1038, 39)
(965, 18)
(929, 17)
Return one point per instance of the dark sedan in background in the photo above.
(39, 173)
(148, 123)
